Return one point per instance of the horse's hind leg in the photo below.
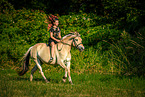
(65, 76)
(40, 68)
(32, 72)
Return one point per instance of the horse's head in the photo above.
(77, 41)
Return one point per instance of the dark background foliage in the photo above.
(116, 10)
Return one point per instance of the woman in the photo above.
(55, 35)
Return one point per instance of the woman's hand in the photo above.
(58, 40)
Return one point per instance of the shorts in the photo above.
(51, 40)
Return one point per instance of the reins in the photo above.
(62, 45)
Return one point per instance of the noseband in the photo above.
(76, 45)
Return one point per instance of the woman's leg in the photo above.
(52, 51)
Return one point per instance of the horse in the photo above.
(40, 53)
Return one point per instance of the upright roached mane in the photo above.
(40, 53)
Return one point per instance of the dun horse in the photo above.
(40, 53)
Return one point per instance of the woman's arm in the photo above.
(51, 35)
(59, 35)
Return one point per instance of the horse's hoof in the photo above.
(64, 80)
(31, 78)
(71, 82)
(47, 81)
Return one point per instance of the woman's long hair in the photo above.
(52, 19)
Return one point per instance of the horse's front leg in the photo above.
(67, 72)
(68, 69)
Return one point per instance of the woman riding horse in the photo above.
(40, 53)
(55, 34)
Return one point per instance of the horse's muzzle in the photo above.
(81, 48)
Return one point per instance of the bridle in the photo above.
(76, 45)
(74, 41)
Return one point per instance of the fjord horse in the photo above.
(40, 53)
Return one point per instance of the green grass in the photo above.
(84, 85)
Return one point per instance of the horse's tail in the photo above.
(25, 62)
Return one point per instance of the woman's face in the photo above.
(56, 23)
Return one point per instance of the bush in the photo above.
(20, 29)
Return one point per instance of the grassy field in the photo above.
(12, 85)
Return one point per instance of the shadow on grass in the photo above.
(35, 79)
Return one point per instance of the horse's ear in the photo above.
(77, 34)
(73, 35)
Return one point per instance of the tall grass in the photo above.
(127, 54)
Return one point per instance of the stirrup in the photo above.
(51, 59)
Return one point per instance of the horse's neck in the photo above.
(66, 40)
(65, 45)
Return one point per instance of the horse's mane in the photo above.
(71, 33)
(66, 36)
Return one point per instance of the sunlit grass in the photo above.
(84, 85)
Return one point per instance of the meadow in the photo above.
(95, 85)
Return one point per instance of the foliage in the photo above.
(108, 47)
(20, 29)
(125, 14)
(94, 29)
